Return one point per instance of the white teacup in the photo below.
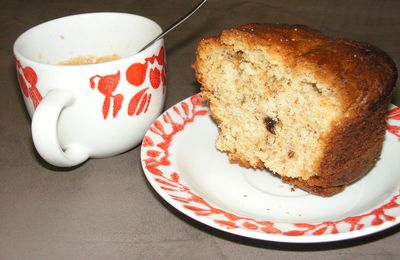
(97, 110)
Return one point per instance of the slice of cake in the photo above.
(307, 107)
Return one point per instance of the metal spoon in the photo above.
(174, 25)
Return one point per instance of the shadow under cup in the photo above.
(95, 110)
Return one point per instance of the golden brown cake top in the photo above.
(361, 75)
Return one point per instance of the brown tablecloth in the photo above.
(105, 209)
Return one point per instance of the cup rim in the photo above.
(20, 56)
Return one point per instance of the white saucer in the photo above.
(181, 162)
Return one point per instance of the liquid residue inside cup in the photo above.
(88, 59)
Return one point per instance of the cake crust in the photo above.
(340, 63)
(360, 76)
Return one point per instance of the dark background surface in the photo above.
(105, 209)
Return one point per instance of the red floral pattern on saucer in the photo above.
(156, 164)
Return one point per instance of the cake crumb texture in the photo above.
(304, 106)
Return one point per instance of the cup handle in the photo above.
(44, 130)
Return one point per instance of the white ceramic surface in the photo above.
(182, 164)
(95, 110)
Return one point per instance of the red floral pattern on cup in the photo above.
(106, 85)
(27, 76)
(136, 73)
(136, 76)
(139, 102)
(157, 161)
(155, 78)
(158, 77)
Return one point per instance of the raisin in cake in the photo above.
(307, 107)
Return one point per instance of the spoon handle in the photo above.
(178, 22)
